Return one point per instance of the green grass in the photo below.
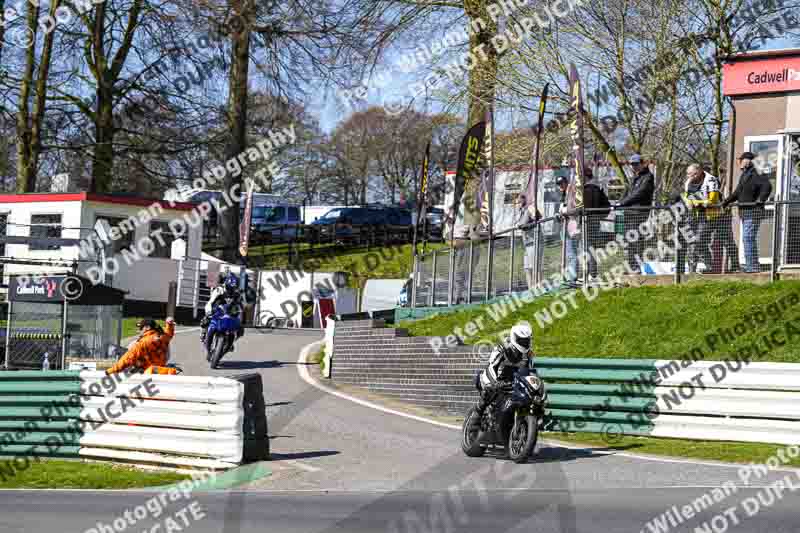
(129, 327)
(732, 452)
(646, 322)
(390, 262)
(60, 474)
(318, 358)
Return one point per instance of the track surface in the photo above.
(343, 467)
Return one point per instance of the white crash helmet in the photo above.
(520, 341)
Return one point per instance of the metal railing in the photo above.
(598, 246)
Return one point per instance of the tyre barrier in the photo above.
(187, 421)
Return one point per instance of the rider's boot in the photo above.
(483, 402)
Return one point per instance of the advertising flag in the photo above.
(467, 168)
(576, 129)
(532, 190)
(422, 196)
(483, 200)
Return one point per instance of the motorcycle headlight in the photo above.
(534, 382)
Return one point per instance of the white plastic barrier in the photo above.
(180, 420)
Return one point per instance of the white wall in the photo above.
(282, 291)
(20, 213)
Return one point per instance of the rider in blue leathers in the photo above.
(227, 289)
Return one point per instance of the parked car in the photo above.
(434, 219)
(364, 222)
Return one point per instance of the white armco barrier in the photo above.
(180, 420)
(729, 400)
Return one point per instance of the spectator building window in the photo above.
(123, 240)
(167, 237)
(45, 227)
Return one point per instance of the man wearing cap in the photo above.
(640, 195)
(753, 188)
(152, 348)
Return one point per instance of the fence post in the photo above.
(511, 265)
(8, 333)
(677, 244)
(451, 274)
(196, 284)
(563, 248)
(490, 249)
(64, 319)
(433, 282)
(178, 278)
(469, 271)
(414, 274)
(257, 306)
(585, 246)
(776, 247)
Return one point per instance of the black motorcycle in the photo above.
(511, 420)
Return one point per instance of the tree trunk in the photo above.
(103, 157)
(481, 87)
(236, 121)
(29, 125)
(26, 169)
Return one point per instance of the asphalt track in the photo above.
(343, 467)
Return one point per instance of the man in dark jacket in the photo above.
(753, 188)
(640, 195)
(597, 207)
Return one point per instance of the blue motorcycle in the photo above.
(223, 330)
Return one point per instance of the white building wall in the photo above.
(19, 218)
(145, 279)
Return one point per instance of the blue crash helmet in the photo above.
(231, 283)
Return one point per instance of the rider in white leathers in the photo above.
(504, 361)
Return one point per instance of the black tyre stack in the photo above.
(256, 439)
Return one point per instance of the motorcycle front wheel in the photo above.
(471, 435)
(217, 350)
(523, 437)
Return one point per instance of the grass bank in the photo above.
(60, 474)
(646, 322)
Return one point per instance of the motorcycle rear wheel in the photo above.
(523, 437)
(217, 350)
(471, 435)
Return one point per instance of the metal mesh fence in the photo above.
(789, 222)
(501, 265)
(595, 246)
(441, 277)
(34, 329)
(93, 331)
(518, 281)
(425, 275)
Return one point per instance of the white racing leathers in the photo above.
(499, 369)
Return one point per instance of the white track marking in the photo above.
(302, 369)
(301, 466)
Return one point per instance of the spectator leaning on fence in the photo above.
(641, 193)
(597, 205)
(152, 348)
(700, 192)
(753, 188)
